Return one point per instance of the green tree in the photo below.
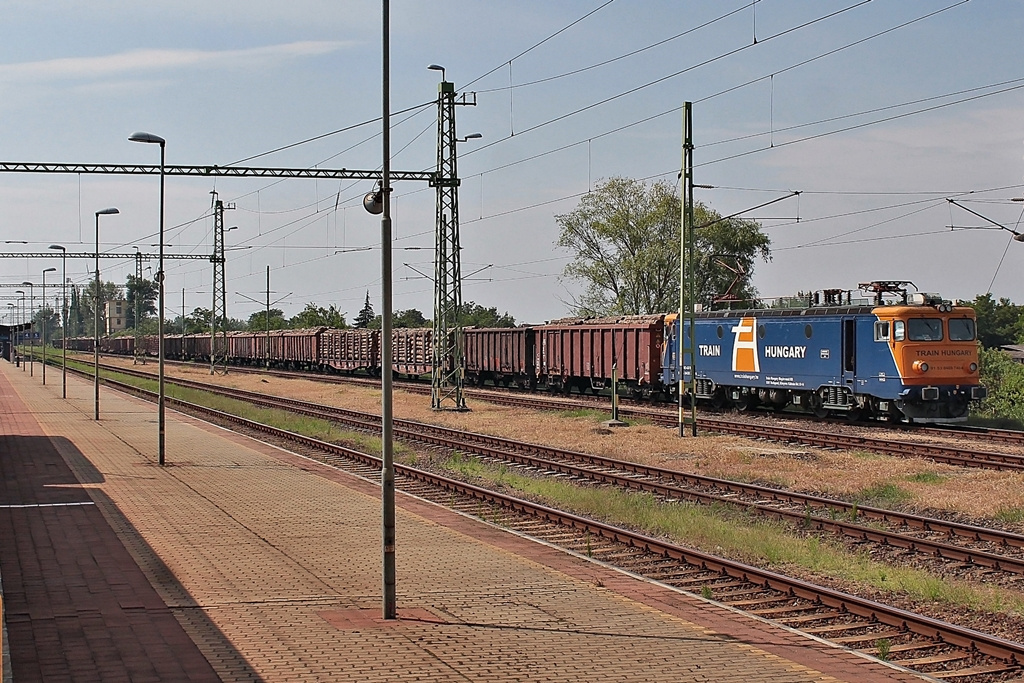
(318, 316)
(407, 318)
(474, 315)
(146, 291)
(999, 322)
(624, 237)
(75, 314)
(365, 316)
(83, 305)
(197, 321)
(1004, 380)
(258, 320)
(46, 321)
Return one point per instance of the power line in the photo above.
(326, 135)
(865, 112)
(620, 57)
(833, 51)
(730, 89)
(672, 75)
(538, 44)
(862, 125)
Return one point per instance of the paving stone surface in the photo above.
(241, 562)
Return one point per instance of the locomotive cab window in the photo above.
(924, 329)
(961, 329)
(881, 330)
(899, 330)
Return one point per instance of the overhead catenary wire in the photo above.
(541, 42)
(675, 74)
(776, 35)
(676, 109)
(612, 60)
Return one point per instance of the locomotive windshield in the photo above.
(924, 329)
(961, 329)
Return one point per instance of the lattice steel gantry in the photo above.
(446, 388)
(219, 309)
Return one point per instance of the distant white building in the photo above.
(1014, 351)
(116, 312)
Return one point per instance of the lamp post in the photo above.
(98, 297)
(63, 320)
(47, 270)
(19, 334)
(387, 473)
(157, 140)
(14, 322)
(31, 342)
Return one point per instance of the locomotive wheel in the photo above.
(744, 403)
(718, 399)
(854, 414)
(817, 408)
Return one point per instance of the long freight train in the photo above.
(916, 359)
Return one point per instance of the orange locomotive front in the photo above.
(935, 349)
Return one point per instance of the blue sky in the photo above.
(875, 131)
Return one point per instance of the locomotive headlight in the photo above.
(973, 367)
(920, 366)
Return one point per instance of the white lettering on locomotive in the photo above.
(710, 350)
(785, 351)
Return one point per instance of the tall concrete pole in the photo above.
(387, 478)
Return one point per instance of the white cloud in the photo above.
(135, 61)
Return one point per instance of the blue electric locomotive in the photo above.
(916, 360)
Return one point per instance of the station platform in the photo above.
(238, 561)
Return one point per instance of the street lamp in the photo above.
(157, 140)
(14, 322)
(96, 318)
(47, 270)
(437, 67)
(21, 317)
(31, 341)
(63, 320)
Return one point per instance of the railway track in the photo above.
(945, 541)
(643, 409)
(939, 649)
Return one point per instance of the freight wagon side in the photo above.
(351, 350)
(581, 353)
(297, 349)
(412, 353)
(501, 355)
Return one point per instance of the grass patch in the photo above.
(316, 428)
(725, 530)
(1010, 515)
(586, 413)
(926, 478)
(995, 422)
(867, 455)
(882, 495)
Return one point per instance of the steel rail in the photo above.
(1008, 436)
(952, 634)
(547, 457)
(946, 454)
